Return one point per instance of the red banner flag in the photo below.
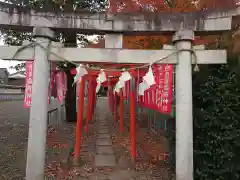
(166, 95)
(164, 88)
(60, 88)
(159, 95)
(52, 89)
(28, 84)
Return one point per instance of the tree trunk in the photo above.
(70, 99)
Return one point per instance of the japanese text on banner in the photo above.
(28, 84)
(166, 89)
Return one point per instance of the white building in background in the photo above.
(11, 82)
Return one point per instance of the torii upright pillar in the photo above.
(39, 108)
(184, 117)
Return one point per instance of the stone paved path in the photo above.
(111, 160)
(105, 156)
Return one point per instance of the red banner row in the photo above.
(159, 96)
(58, 79)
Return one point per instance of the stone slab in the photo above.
(105, 160)
(104, 142)
(103, 131)
(103, 127)
(103, 122)
(103, 136)
(105, 150)
(103, 119)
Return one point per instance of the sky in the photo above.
(7, 63)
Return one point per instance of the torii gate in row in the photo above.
(114, 27)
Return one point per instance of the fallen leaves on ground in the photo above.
(152, 152)
(58, 142)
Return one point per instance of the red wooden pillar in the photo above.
(112, 100)
(133, 119)
(115, 106)
(79, 119)
(114, 103)
(89, 106)
(121, 110)
(109, 94)
(95, 98)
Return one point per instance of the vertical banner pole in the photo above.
(113, 102)
(121, 110)
(133, 119)
(90, 95)
(95, 99)
(79, 119)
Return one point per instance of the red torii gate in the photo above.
(113, 77)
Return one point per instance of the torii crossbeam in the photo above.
(93, 55)
(102, 23)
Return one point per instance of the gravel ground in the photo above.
(13, 143)
(13, 139)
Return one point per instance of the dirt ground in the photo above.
(13, 142)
